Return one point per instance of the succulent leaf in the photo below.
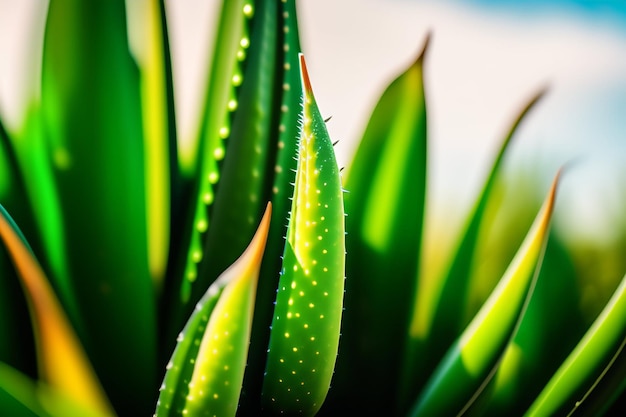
(470, 363)
(92, 120)
(61, 358)
(438, 307)
(205, 374)
(245, 179)
(28, 155)
(282, 167)
(540, 345)
(199, 161)
(20, 396)
(307, 316)
(159, 137)
(585, 369)
(14, 324)
(386, 186)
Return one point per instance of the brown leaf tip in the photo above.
(304, 73)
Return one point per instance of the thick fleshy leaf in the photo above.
(91, 102)
(16, 341)
(385, 205)
(61, 358)
(20, 396)
(199, 162)
(159, 133)
(547, 333)
(439, 306)
(588, 367)
(38, 209)
(245, 175)
(305, 329)
(224, 75)
(205, 374)
(469, 365)
(284, 151)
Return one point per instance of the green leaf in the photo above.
(386, 187)
(35, 202)
(584, 370)
(247, 167)
(547, 333)
(439, 306)
(282, 164)
(470, 363)
(206, 371)
(61, 358)
(199, 161)
(159, 135)
(17, 347)
(224, 75)
(307, 316)
(20, 396)
(91, 104)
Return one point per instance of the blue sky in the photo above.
(594, 7)
(486, 58)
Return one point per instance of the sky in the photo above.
(486, 58)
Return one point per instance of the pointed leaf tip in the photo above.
(304, 73)
(205, 373)
(256, 249)
(469, 365)
(429, 36)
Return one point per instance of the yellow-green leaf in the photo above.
(588, 363)
(61, 358)
(469, 364)
(305, 329)
(205, 373)
(386, 187)
(23, 397)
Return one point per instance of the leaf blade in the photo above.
(92, 123)
(589, 360)
(440, 305)
(206, 371)
(386, 186)
(305, 329)
(470, 363)
(61, 358)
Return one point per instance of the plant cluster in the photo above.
(242, 272)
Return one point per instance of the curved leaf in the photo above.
(245, 180)
(438, 307)
(307, 316)
(583, 370)
(206, 371)
(547, 333)
(92, 121)
(20, 396)
(61, 358)
(16, 346)
(159, 135)
(386, 187)
(470, 363)
(199, 162)
(282, 156)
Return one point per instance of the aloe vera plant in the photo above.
(224, 275)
